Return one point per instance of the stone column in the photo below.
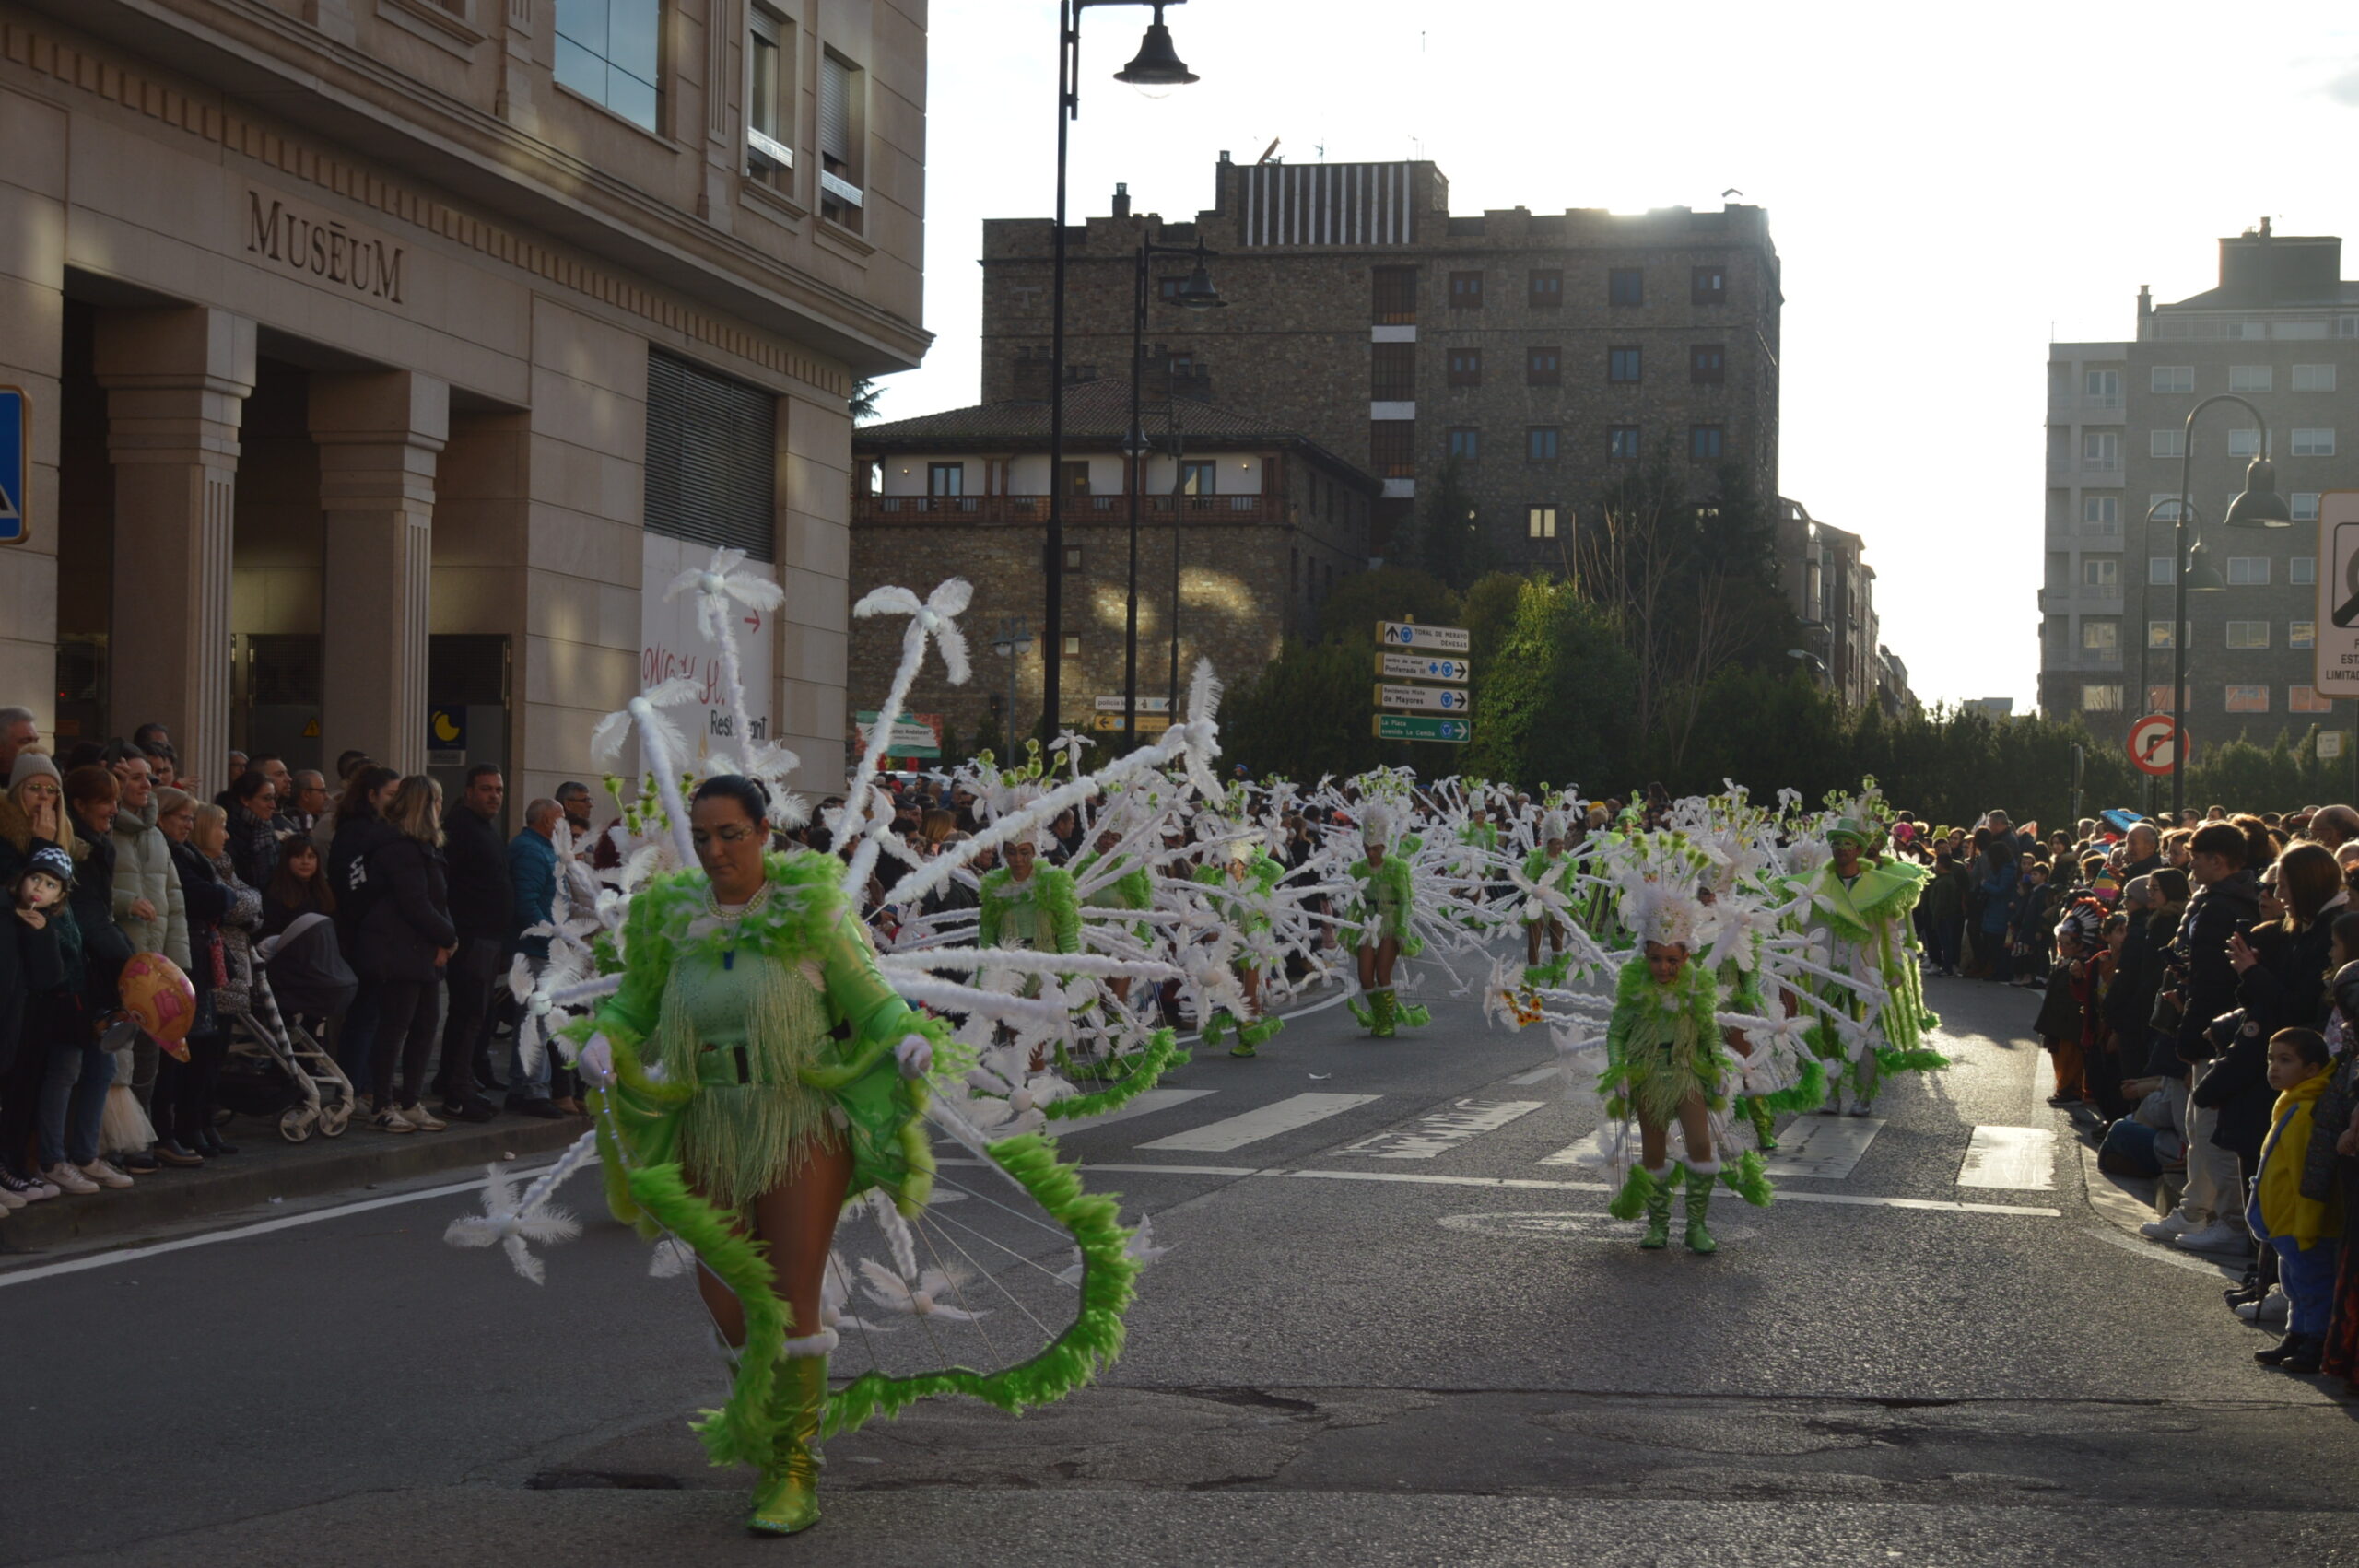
(176, 383)
(379, 434)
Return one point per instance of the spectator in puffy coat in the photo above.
(401, 940)
(148, 903)
(183, 1104)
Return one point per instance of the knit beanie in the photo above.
(35, 765)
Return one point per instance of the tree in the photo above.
(862, 402)
(1388, 594)
(990, 736)
(1306, 714)
(1451, 544)
(1553, 702)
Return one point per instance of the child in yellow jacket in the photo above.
(2307, 1234)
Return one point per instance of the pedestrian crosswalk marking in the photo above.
(1822, 1148)
(1263, 1121)
(1526, 1080)
(2020, 1158)
(1440, 1131)
(1146, 1103)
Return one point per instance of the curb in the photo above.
(266, 1167)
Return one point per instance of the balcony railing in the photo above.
(1035, 509)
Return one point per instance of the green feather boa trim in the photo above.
(1748, 1179)
(1631, 1202)
(1162, 1054)
(1924, 1059)
(1805, 1095)
(1075, 1356)
(1416, 1014)
(742, 1431)
(1258, 1034)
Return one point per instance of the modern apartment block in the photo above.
(2282, 331)
(382, 355)
(1823, 573)
(1546, 353)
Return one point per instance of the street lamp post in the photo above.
(1155, 64)
(1197, 294)
(2259, 506)
(1179, 487)
(2198, 576)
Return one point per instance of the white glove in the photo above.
(596, 1061)
(915, 1053)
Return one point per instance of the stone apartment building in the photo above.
(1545, 352)
(1830, 587)
(2281, 329)
(1251, 523)
(381, 356)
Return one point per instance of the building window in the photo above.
(2313, 443)
(2158, 571)
(2250, 378)
(1622, 365)
(1392, 448)
(2243, 441)
(1072, 647)
(945, 478)
(1075, 480)
(1466, 367)
(1394, 300)
(2101, 698)
(1393, 372)
(1710, 286)
(1622, 443)
(2158, 699)
(2247, 571)
(2248, 634)
(2307, 700)
(1540, 444)
(770, 97)
(2162, 509)
(1546, 289)
(2102, 513)
(2102, 388)
(2101, 571)
(712, 475)
(2101, 451)
(2301, 634)
(1626, 285)
(2248, 699)
(1466, 291)
(2313, 378)
(2100, 636)
(1073, 557)
(2171, 379)
(1466, 442)
(2167, 443)
(1704, 444)
(610, 52)
(1167, 289)
(1708, 363)
(2306, 507)
(2158, 633)
(1540, 523)
(2302, 570)
(841, 84)
(1540, 367)
(1201, 475)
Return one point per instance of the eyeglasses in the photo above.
(704, 835)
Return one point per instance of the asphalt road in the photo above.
(1390, 1333)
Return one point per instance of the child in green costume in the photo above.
(1241, 884)
(1377, 931)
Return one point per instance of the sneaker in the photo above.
(2170, 1227)
(65, 1178)
(32, 1190)
(10, 1199)
(105, 1174)
(418, 1117)
(475, 1109)
(2220, 1236)
(2270, 1312)
(138, 1162)
(391, 1120)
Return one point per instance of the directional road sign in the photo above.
(1418, 727)
(1112, 723)
(16, 462)
(2153, 743)
(2336, 672)
(1424, 667)
(1146, 704)
(1424, 699)
(1407, 634)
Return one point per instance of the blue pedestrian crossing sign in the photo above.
(16, 462)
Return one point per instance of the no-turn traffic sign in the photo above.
(2154, 743)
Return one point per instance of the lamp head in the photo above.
(2260, 506)
(1198, 293)
(2202, 576)
(1158, 65)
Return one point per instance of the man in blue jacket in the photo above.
(532, 879)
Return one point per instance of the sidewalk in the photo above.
(266, 1166)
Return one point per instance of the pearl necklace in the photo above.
(720, 911)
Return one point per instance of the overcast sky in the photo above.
(1947, 187)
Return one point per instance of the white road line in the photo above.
(2194, 1262)
(1426, 1179)
(1822, 1148)
(2021, 1158)
(133, 1254)
(1940, 1205)
(1263, 1121)
(1438, 1132)
(1544, 1070)
(1147, 1103)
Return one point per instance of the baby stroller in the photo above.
(275, 1066)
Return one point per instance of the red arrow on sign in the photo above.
(754, 620)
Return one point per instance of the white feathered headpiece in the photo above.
(1375, 823)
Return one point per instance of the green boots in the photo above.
(1658, 1235)
(1386, 1012)
(787, 1498)
(1765, 1122)
(1251, 1037)
(1700, 1199)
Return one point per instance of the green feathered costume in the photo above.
(1250, 913)
(1869, 931)
(1381, 911)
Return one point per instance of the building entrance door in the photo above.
(275, 697)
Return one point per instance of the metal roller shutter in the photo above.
(712, 457)
(835, 109)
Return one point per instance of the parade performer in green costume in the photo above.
(1378, 926)
(1859, 906)
(1547, 867)
(1241, 882)
(1130, 888)
(755, 1070)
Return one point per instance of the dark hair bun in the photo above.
(748, 793)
